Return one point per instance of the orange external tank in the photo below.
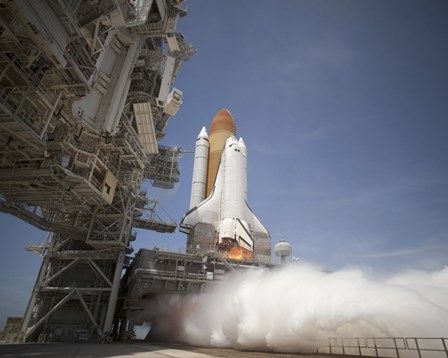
(222, 127)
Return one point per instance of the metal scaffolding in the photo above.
(71, 155)
(154, 272)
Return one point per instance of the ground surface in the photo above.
(127, 350)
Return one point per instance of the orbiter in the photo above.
(219, 217)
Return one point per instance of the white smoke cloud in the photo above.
(297, 308)
(431, 285)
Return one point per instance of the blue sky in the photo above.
(343, 107)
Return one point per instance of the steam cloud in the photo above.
(297, 308)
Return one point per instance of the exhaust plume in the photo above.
(298, 307)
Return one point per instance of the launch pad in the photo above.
(155, 272)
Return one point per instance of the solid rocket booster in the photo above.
(244, 164)
(225, 206)
(199, 181)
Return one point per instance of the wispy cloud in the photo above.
(396, 253)
(263, 148)
(434, 246)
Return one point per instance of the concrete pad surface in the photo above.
(129, 350)
(91, 350)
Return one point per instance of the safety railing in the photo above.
(396, 347)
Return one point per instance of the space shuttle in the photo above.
(219, 217)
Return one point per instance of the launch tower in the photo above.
(85, 94)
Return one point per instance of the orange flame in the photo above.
(238, 253)
(229, 248)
